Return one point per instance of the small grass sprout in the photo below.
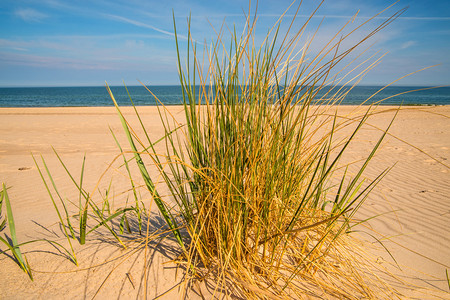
(12, 242)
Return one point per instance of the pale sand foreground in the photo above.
(416, 192)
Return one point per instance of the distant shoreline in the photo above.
(181, 105)
(177, 85)
(172, 95)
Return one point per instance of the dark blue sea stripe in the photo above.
(171, 95)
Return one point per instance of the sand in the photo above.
(412, 200)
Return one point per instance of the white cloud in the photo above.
(144, 25)
(19, 49)
(408, 44)
(139, 24)
(49, 62)
(30, 15)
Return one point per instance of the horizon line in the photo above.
(173, 85)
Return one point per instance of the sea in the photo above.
(172, 95)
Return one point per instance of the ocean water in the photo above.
(171, 95)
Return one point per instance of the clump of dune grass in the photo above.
(93, 212)
(258, 200)
(11, 241)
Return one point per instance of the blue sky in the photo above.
(85, 42)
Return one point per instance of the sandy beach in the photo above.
(412, 202)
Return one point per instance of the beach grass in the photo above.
(11, 243)
(256, 188)
(252, 189)
(259, 202)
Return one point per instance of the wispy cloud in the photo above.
(19, 49)
(408, 44)
(327, 16)
(50, 62)
(137, 23)
(84, 53)
(30, 15)
(145, 25)
(14, 45)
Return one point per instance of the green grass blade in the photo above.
(133, 187)
(149, 183)
(88, 202)
(3, 224)
(83, 221)
(15, 249)
(83, 213)
(54, 202)
(448, 279)
(81, 188)
(104, 221)
(382, 244)
(69, 224)
(53, 243)
(98, 212)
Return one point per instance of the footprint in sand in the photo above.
(24, 168)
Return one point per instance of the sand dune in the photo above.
(412, 200)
